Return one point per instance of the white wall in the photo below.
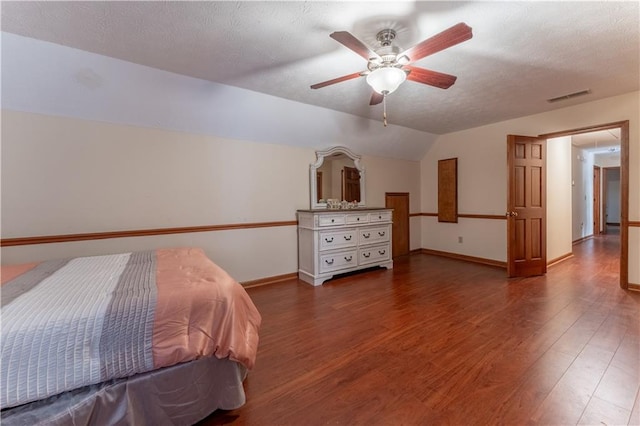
(482, 178)
(481, 190)
(612, 215)
(559, 198)
(582, 193)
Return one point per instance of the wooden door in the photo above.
(596, 200)
(399, 202)
(526, 206)
(351, 184)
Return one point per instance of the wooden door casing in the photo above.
(526, 206)
(399, 202)
(596, 200)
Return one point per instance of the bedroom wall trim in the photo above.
(270, 280)
(634, 223)
(473, 259)
(634, 287)
(582, 240)
(468, 215)
(559, 259)
(47, 239)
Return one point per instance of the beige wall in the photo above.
(482, 189)
(482, 177)
(65, 176)
(582, 193)
(389, 175)
(559, 198)
(62, 175)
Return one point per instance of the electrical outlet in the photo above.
(460, 240)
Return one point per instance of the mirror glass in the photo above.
(337, 174)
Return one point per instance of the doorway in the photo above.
(623, 127)
(399, 202)
(611, 198)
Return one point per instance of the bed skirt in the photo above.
(182, 394)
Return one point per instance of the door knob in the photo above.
(511, 214)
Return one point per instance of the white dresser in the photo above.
(332, 242)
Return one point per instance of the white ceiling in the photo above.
(521, 53)
(599, 141)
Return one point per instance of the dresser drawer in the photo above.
(380, 217)
(373, 235)
(338, 239)
(336, 261)
(374, 254)
(357, 218)
(331, 220)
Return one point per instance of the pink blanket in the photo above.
(201, 311)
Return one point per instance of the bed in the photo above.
(154, 337)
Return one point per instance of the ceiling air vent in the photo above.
(569, 96)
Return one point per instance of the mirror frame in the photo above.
(320, 156)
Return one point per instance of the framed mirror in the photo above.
(336, 174)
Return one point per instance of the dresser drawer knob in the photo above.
(358, 219)
(347, 237)
(328, 240)
(379, 217)
(348, 258)
(367, 235)
(333, 220)
(381, 233)
(329, 262)
(367, 255)
(381, 252)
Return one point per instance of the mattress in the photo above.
(72, 323)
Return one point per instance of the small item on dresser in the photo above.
(333, 203)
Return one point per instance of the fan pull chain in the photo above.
(384, 109)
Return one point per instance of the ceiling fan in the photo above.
(388, 66)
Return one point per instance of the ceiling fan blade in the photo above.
(348, 40)
(376, 98)
(336, 80)
(432, 78)
(447, 38)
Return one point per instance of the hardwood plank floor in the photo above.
(441, 341)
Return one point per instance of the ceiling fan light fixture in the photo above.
(386, 80)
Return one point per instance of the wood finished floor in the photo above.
(439, 341)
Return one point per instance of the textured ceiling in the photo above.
(597, 140)
(521, 53)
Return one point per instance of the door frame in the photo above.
(624, 186)
(605, 195)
